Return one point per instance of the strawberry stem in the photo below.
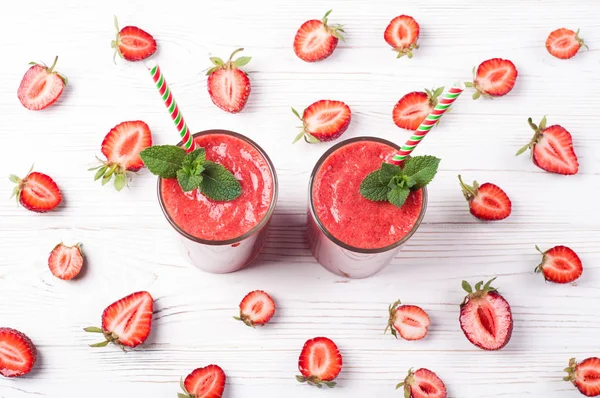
(50, 69)
(232, 54)
(468, 191)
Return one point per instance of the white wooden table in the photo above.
(129, 245)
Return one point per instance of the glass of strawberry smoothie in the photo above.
(349, 235)
(221, 237)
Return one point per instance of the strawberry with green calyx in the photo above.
(585, 375)
(413, 108)
(560, 264)
(317, 39)
(493, 78)
(206, 382)
(410, 321)
(392, 183)
(422, 383)
(322, 121)
(228, 85)
(36, 192)
(65, 262)
(486, 201)
(256, 308)
(402, 34)
(132, 43)
(320, 363)
(41, 86)
(564, 43)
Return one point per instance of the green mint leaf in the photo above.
(163, 160)
(388, 171)
(421, 169)
(192, 163)
(398, 195)
(218, 183)
(371, 187)
(188, 181)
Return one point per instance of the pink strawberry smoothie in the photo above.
(348, 216)
(206, 219)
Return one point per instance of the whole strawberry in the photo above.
(552, 148)
(320, 362)
(206, 382)
(36, 192)
(413, 108)
(402, 34)
(563, 43)
(422, 383)
(316, 40)
(126, 322)
(229, 86)
(17, 353)
(560, 264)
(122, 146)
(133, 43)
(493, 78)
(585, 375)
(485, 316)
(486, 201)
(409, 321)
(323, 120)
(41, 86)
(65, 262)
(256, 308)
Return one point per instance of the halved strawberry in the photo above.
(552, 149)
(41, 86)
(323, 120)
(585, 375)
(493, 78)
(560, 265)
(256, 308)
(122, 146)
(485, 316)
(316, 40)
(65, 262)
(410, 321)
(320, 362)
(402, 34)
(423, 383)
(36, 192)
(126, 322)
(414, 107)
(487, 201)
(563, 43)
(229, 86)
(207, 382)
(17, 353)
(133, 43)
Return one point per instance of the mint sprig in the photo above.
(393, 183)
(192, 171)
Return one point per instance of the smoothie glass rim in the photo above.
(311, 206)
(266, 218)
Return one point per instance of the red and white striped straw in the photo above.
(442, 107)
(163, 89)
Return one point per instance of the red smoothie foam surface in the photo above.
(347, 215)
(206, 219)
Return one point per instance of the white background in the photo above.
(129, 245)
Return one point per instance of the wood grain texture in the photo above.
(129, 245)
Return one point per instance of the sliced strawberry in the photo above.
(122, 146)
(487, 201)
(494, 78)
(414, 107)
(316, 40)
(423, 383)
(585, 375)
(320, 362)
(560, 265)
(485, 316)
(207, 382)
(563, 43)
(36, 192)
(410, 321)
(65, 262)
(552, 149)
(323, 120)
(126, 322)
(41, 86)
(402, 34)
(229, 86)
(256, 308)
(133, 43)
(17, 353)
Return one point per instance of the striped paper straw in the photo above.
(442, 107)
(165, 92)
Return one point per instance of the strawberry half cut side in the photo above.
(413, 108)
(487, 201)
(17, 353)
(41, 86)
(36, 192)
(228, 85)
(560, 264)
(65, 262)
(493, 78)
(402, 34)
(256, 308)
(422, 383)
(485, 316)
(585, 375)
(127, 322)
(132, 43)
(563, 43)
(323, 120)
(410, 321)
(316, 39)
(320, 362)
(207, 382)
